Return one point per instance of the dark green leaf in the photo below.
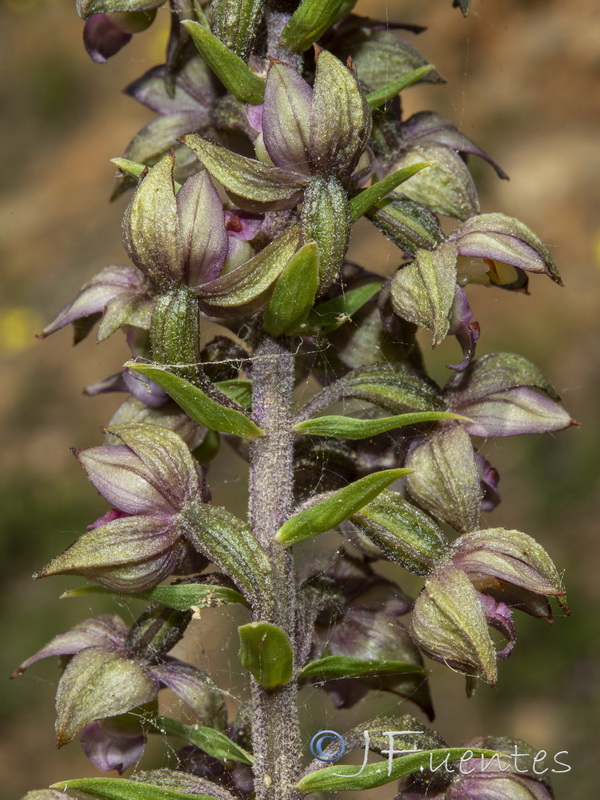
(332, 314)
(266, 652)
(294, 292)
(231, 70)
(310, 21)
(387, 93)
(353, 428)
(121, 789)
(337, 507)
(333, 667)
(181, 597)
(366, 199)
(339, 778)
(210, 740)
(198, 405)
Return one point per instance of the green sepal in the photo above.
(197, 404)
(294, 293)
(235, 23)
(122, 789)
(407, 224)
(228, 542)
(365, 200)
(182, 597)
(336, 508)
(403, 532)
(339, 778)
(175, 332)
(310, 21)
(247, 284)
(266, 652)
(387, 93)
(423, 291)
(326, 221)
(231, 70)
(353, 428)
(333, 667)
(262, 184)
(210, 740)
(331, 315)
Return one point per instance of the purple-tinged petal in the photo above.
(111, 515)
(499, 616)
(107, 630)
(144, 389)
(514, 412)
(427, 126)
(506, 239)
(166, 457)
(202, 229)
(131, 554)
(113, 743)
(510, 556)
(254, 115)
(93, 296)
(196, 690)
(489, 483)
(536, 605)
(114, 383)
(103, 38)
(286, 118)
(151, 91)
(124, 480)
(243, 224)
(495, 787)
(461, 326)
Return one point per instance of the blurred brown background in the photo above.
(523, 81)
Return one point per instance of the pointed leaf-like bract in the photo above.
(353, 428)
(387, 93)
(445, 480)
(197, 404)
(181, 597)
(403, 532)
(210, 740)
(99, 683)
(345, 777)
(365, 200)
(337, 507)
(449, 624)
(333, 667)
(266, 652)
(122, 789)
(232, 71)
(332, 314)
(294, 292)
(423, 291)
(309, 22)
